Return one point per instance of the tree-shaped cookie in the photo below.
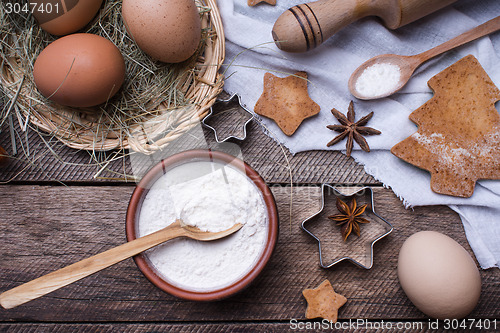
(458, 137)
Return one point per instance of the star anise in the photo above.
(349, 217)
(353, 130)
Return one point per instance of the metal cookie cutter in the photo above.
(244, 113)
(364, 243)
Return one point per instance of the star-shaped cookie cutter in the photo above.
(370, 208)
(242, 109)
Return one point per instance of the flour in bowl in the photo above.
(211, 197)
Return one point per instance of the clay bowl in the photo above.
(171, 162)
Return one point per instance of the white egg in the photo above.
(438, 275)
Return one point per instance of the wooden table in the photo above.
(54, 212)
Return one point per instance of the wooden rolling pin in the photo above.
(306, 26)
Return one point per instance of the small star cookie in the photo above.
(323, 302)
(252, 3)
(286, 101)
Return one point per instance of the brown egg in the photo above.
(62, 17)
(79, 70)
(167, 30)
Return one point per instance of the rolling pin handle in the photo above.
(305, 26)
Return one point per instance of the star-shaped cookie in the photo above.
(323, 302)
(286, 101)
(254, 2)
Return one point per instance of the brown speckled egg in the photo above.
(167, 30)
(62, 17)
(79, 70)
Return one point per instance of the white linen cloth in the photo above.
(250, 52)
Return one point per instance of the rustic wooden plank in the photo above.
(43, 158)
(47, 227)
(344, 326)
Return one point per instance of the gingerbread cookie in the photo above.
(254, 2)
(323, 302)
(458, 137)
(286, 101)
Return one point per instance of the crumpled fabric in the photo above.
(251, 52)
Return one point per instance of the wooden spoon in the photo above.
(69, 274)
(408, 64)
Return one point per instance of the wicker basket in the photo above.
(85, 130)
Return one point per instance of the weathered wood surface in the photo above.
(48, 227)
(206, 327)
(43, 158)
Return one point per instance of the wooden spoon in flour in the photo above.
(408, 64)
(69, 274)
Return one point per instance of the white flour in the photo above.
(378, 79)
(214, 201)
(459, 156)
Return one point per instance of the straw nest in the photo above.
(157, 103)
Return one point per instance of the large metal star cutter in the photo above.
(232, 119)
(332, 247)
